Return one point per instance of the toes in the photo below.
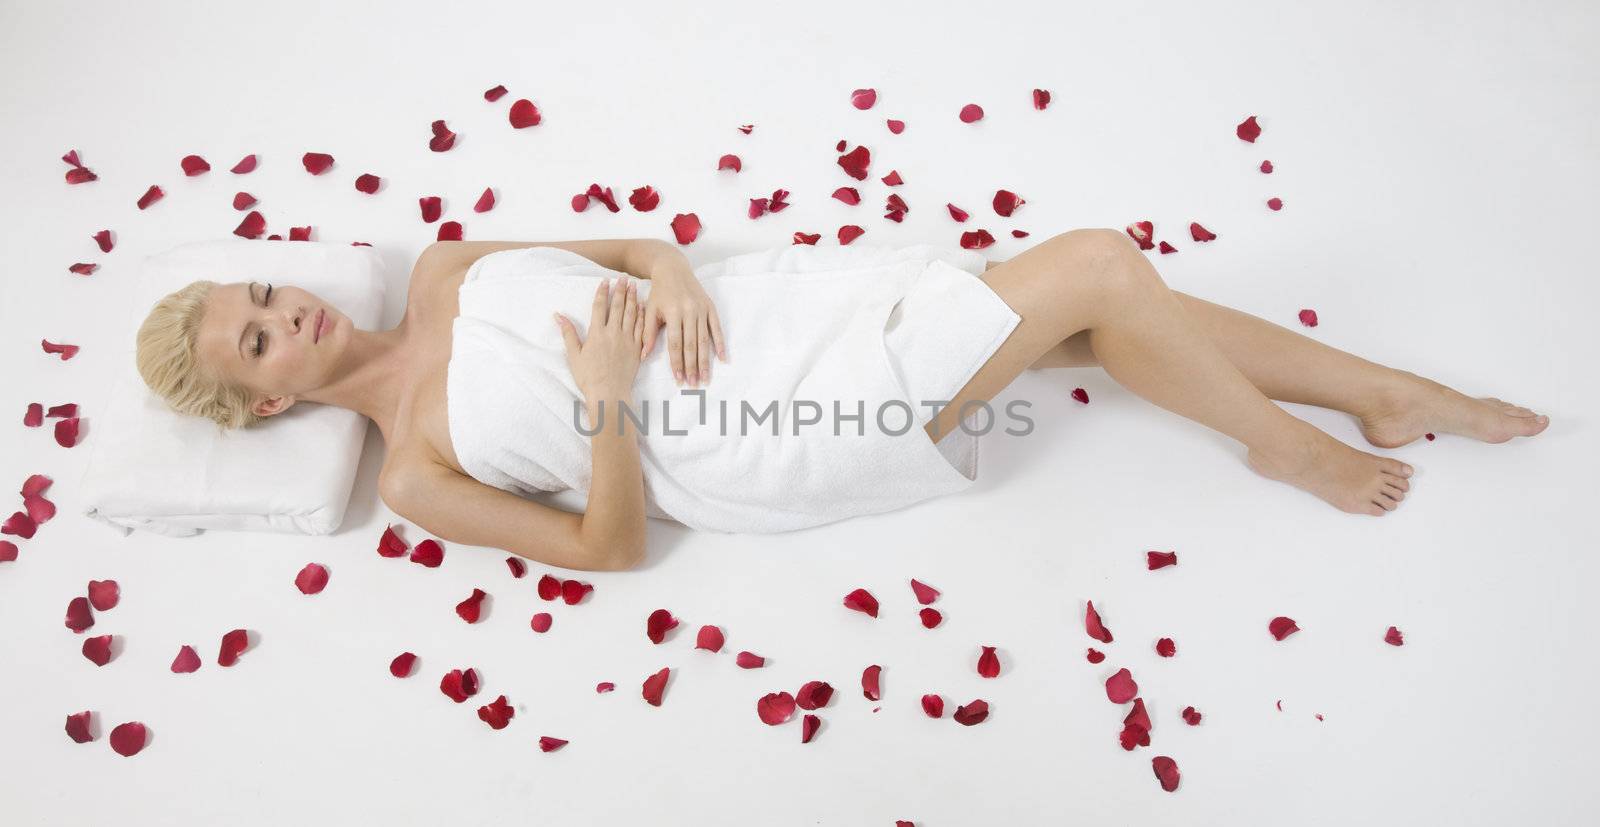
(1385, 503)
(1393, 492)
(1374, 509)
(1395, 467)
(1398, 482)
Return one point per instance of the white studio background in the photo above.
(1438, 163)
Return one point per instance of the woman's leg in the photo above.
(1098, 281)
(1395, 407)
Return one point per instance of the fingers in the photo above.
(691, 349)
(675, 349)
(716, 336)
(651, 326)
(597, 313)
(638, 330)
(630, 308)
(619, 296)
(705, 349)
(569, 335)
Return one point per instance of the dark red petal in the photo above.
(1120, 687)
(1167, 771)
(428, 553)
(839, 147)
(312, 579)
(863, 98)
(730, 162)
(103, 238)
(67, 410)
(442, 139)
(524, 114)
(1191, 717)
(808, 727)
(802, 238)
(79, 617)
(957, 213)
(80, 175)
(750, 660)
(194, 165)
(20, 524)
(8, 551)
(925, 593)
(485, 201)
(1006, 202)
(976, 239)
(188, 660)
(775, 708)
(856, 162)
(1248, 129)
(234, 644)
(814, 694)
(849, 233)
(1142, 232)
(1160, 559)
(778, 202)
(243, 201)
(518, 568)
(862, 601)
(1041, 98)
(127, 739)
(1280, 704)
(972, 713)
(494, 94)
(150, 196)
(98, 649)
(452, 685)
(757, 208)
(299, 233)
(1166, 648)
(548, 744)
(1308, 317)
(656, 626)
(34, 416)
(930, 617)
(1167, 248)
(497, 713)
(655, 685)
(580, 202)
(686, 227)
(66, 351)
(472, 608)
(604, 196)
(104, 594)
(316, 163)
(1095, 656)
(1134, 735)
(1093, 625)
(402, 665)
(431, 208)
(84, 269)
(540, 622)
(35, 485)
(897, 204)
(893, 179)
(252, 226)
(450, 231)
(933, 706)
(896, 127)
(988, 663)
(1282, 627)
(869, 682)
(390, 544)
(971, 112)
(1393, 637)
(367, 183)
(604, 686)
(746, 128)
(246, 164)
(549, 587)
(645, 198)
(573, 591)
(1199, 233)
(78, 727)
(710, 638)
(848, 195)
(1266, 166)
(1274, 203)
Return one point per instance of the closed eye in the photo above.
(260, 345)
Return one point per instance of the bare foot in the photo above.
(1350, 480)
(1416, 405)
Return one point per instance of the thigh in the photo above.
(1051, 286)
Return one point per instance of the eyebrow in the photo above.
(251, 289)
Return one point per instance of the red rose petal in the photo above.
(855, 162)
(849, 233)
(1248, 129)
(1167, 771)
(1166, 648)
(1429, 435)
(930, 617)
(8, 551)
(549, 588)
(367, 183)
(497, 713)
(1006, 202)
(244, 201)
(1160, 559)
(450, 231)
(573, 591)
(580, 202)
(925, 593)
(98, 649)
(863, 98)
(518, 568)
(645, 198)
(896, 127)
(1082, 395)
(972, 713)
(234, 644)
(778, 202)
(746, 128)
(524, 114)
(431, 209)
(1393, 637)
(1266, 166)
(34, 417)
(194, 165)
(246, 164)
(1274, 204)
(971, 112)
(808, 727)
(299, 233)
(83, 269)
(1041, 98)
(1191, 717)
(862, 601)
(988, 663)
(79, 617)
(66, 351)
(1142, 232)
(775, 708)
(312, 579)
(390, 544)
(494, 94)
(443, 139)
(893, 179)
(814, 695)
(1120, 687)
(472, 608)
(460, 685)
(79, 175)
(1093, 625)
(1199, 233)
(35, 485)
(710, 638)
(188, 660)
(67, 410)
(686, 227)
(103, 239)
(869, 682)
(127, 739)
(933, 706)
(1282, 627)
(957, 213)
(78, 727)
(316, 163)
(541, 622)
(604, 196)
(252, 226)
(20, 524)
(1134, 735)
(656, 626)
(848, 195)
(1095, 656)
(1308, 318)
(402, 665)
(428, 553)
(758, 207)
(548, 744)
(1167, 248)
(976, 239)
(750, 660)
(150, 196)
(802, 238)
(655, 685)
(730, 162)
(104, 594)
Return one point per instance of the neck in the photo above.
(368, 377)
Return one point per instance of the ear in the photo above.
(272, 405)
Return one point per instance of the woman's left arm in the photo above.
(680, 305)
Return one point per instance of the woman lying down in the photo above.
(522, 367)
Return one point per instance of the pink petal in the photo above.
(443, 139)
(1248, 129)
(367, 183)
(471, 608)
(98, 649)
(655, 685)
(972, 713)
(1160, 559)
(1142, 232)
(1282, 627)
(78, 727)
(316, 163)
(1266, 166)
(104, 594)
(66, 351)
(896, 127)
(1041, 98)
(848, 195)
(494, 94)
(450, 231)
(1120, 687)
(67, 432)
(855, 162)
(188, 660)
(103, 239)
(8, 551)
(930, 617)
(957, 213)
(1308, 317)
(234, 644)
(1167, 771)
(150, 196)
(869, 682)
(656, 626)
(252, 226)
(1093, 625)
(750, 660)
(428, 553)
(730, 162)
(497, 713)
(311, 579)
(1006, 202)
(1393, 637)
(971, 112)
(243, 201)
(976, 239)
(849, 233)
(863, 98)
(1095, 656)
(390, 544)
(194, 165)
(430, 205)
(1274, 204)
(686, 227)
(645, 198)
(34, 416)
(710, 638)
(524, 114)
(1166, 648)
(775, 708)
(518, 568)
(988, 663)
(127, 739)
(79, 617)
(541, 622)
(1199, 233)
(246, 164)
(862, 601)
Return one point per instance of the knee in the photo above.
(1099, 258)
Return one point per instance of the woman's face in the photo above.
(266, 337)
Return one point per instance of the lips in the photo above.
(318, 329)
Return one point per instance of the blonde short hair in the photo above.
(170, 364)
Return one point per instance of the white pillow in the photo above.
(155, 469)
